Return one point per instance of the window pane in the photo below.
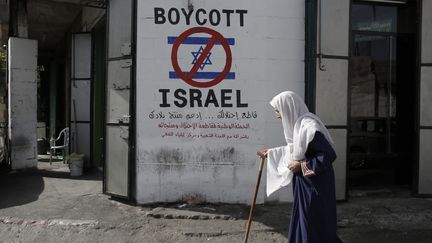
(374, 18)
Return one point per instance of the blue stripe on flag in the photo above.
(199, 40)
(203, 75)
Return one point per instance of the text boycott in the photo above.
(200, 16)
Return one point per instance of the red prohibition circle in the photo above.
(188, 77)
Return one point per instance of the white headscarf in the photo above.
(290, 106)
(299, 127)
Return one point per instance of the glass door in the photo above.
(382, 101)
(373, 97)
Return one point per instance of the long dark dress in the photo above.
(313, 215)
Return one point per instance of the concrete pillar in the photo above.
(22, 90)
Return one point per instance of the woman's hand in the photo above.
(295, 166)
(263, 153)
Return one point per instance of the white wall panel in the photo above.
(81, 56)
(426, 53)
(118, 87)
(120, 27)
(426, 96)
(340, 146)
(116, 165)
(80, 93)
(331, 92)
(335, 21)
(425, 163)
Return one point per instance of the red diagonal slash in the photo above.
(202, 57)
(188, 77)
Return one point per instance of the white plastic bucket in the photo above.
(76, 166)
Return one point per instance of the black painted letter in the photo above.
(159, 16)
(214, 20)
(225, 97)
(195, 95)
(183, 100)
(173, 19)
(211, 98)
(164, 98)
(198, 18)
(187, 15)
(228, 13)
(241, 13)
(239, 104)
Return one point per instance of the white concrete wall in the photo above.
(332, 81)
(22, 71)
(267, 58)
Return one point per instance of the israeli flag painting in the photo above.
(200, 56)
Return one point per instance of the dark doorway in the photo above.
(98, 93)
(382, 95)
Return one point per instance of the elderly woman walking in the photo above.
(306, 162)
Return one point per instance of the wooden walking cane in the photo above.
(249, 223)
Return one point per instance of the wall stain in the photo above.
(177, 159)
(228, 154)
(21, 141)
(177, 156)
(169, 156)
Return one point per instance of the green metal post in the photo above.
(310, 52)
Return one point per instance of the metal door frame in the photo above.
(418, 34)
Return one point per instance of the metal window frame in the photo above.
(69, 95)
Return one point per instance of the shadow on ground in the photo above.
(18, 188)
(88, 175)
(25, 186)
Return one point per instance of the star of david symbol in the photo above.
(196, 55)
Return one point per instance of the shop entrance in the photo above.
(382, 95)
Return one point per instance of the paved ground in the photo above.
(48, 206)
